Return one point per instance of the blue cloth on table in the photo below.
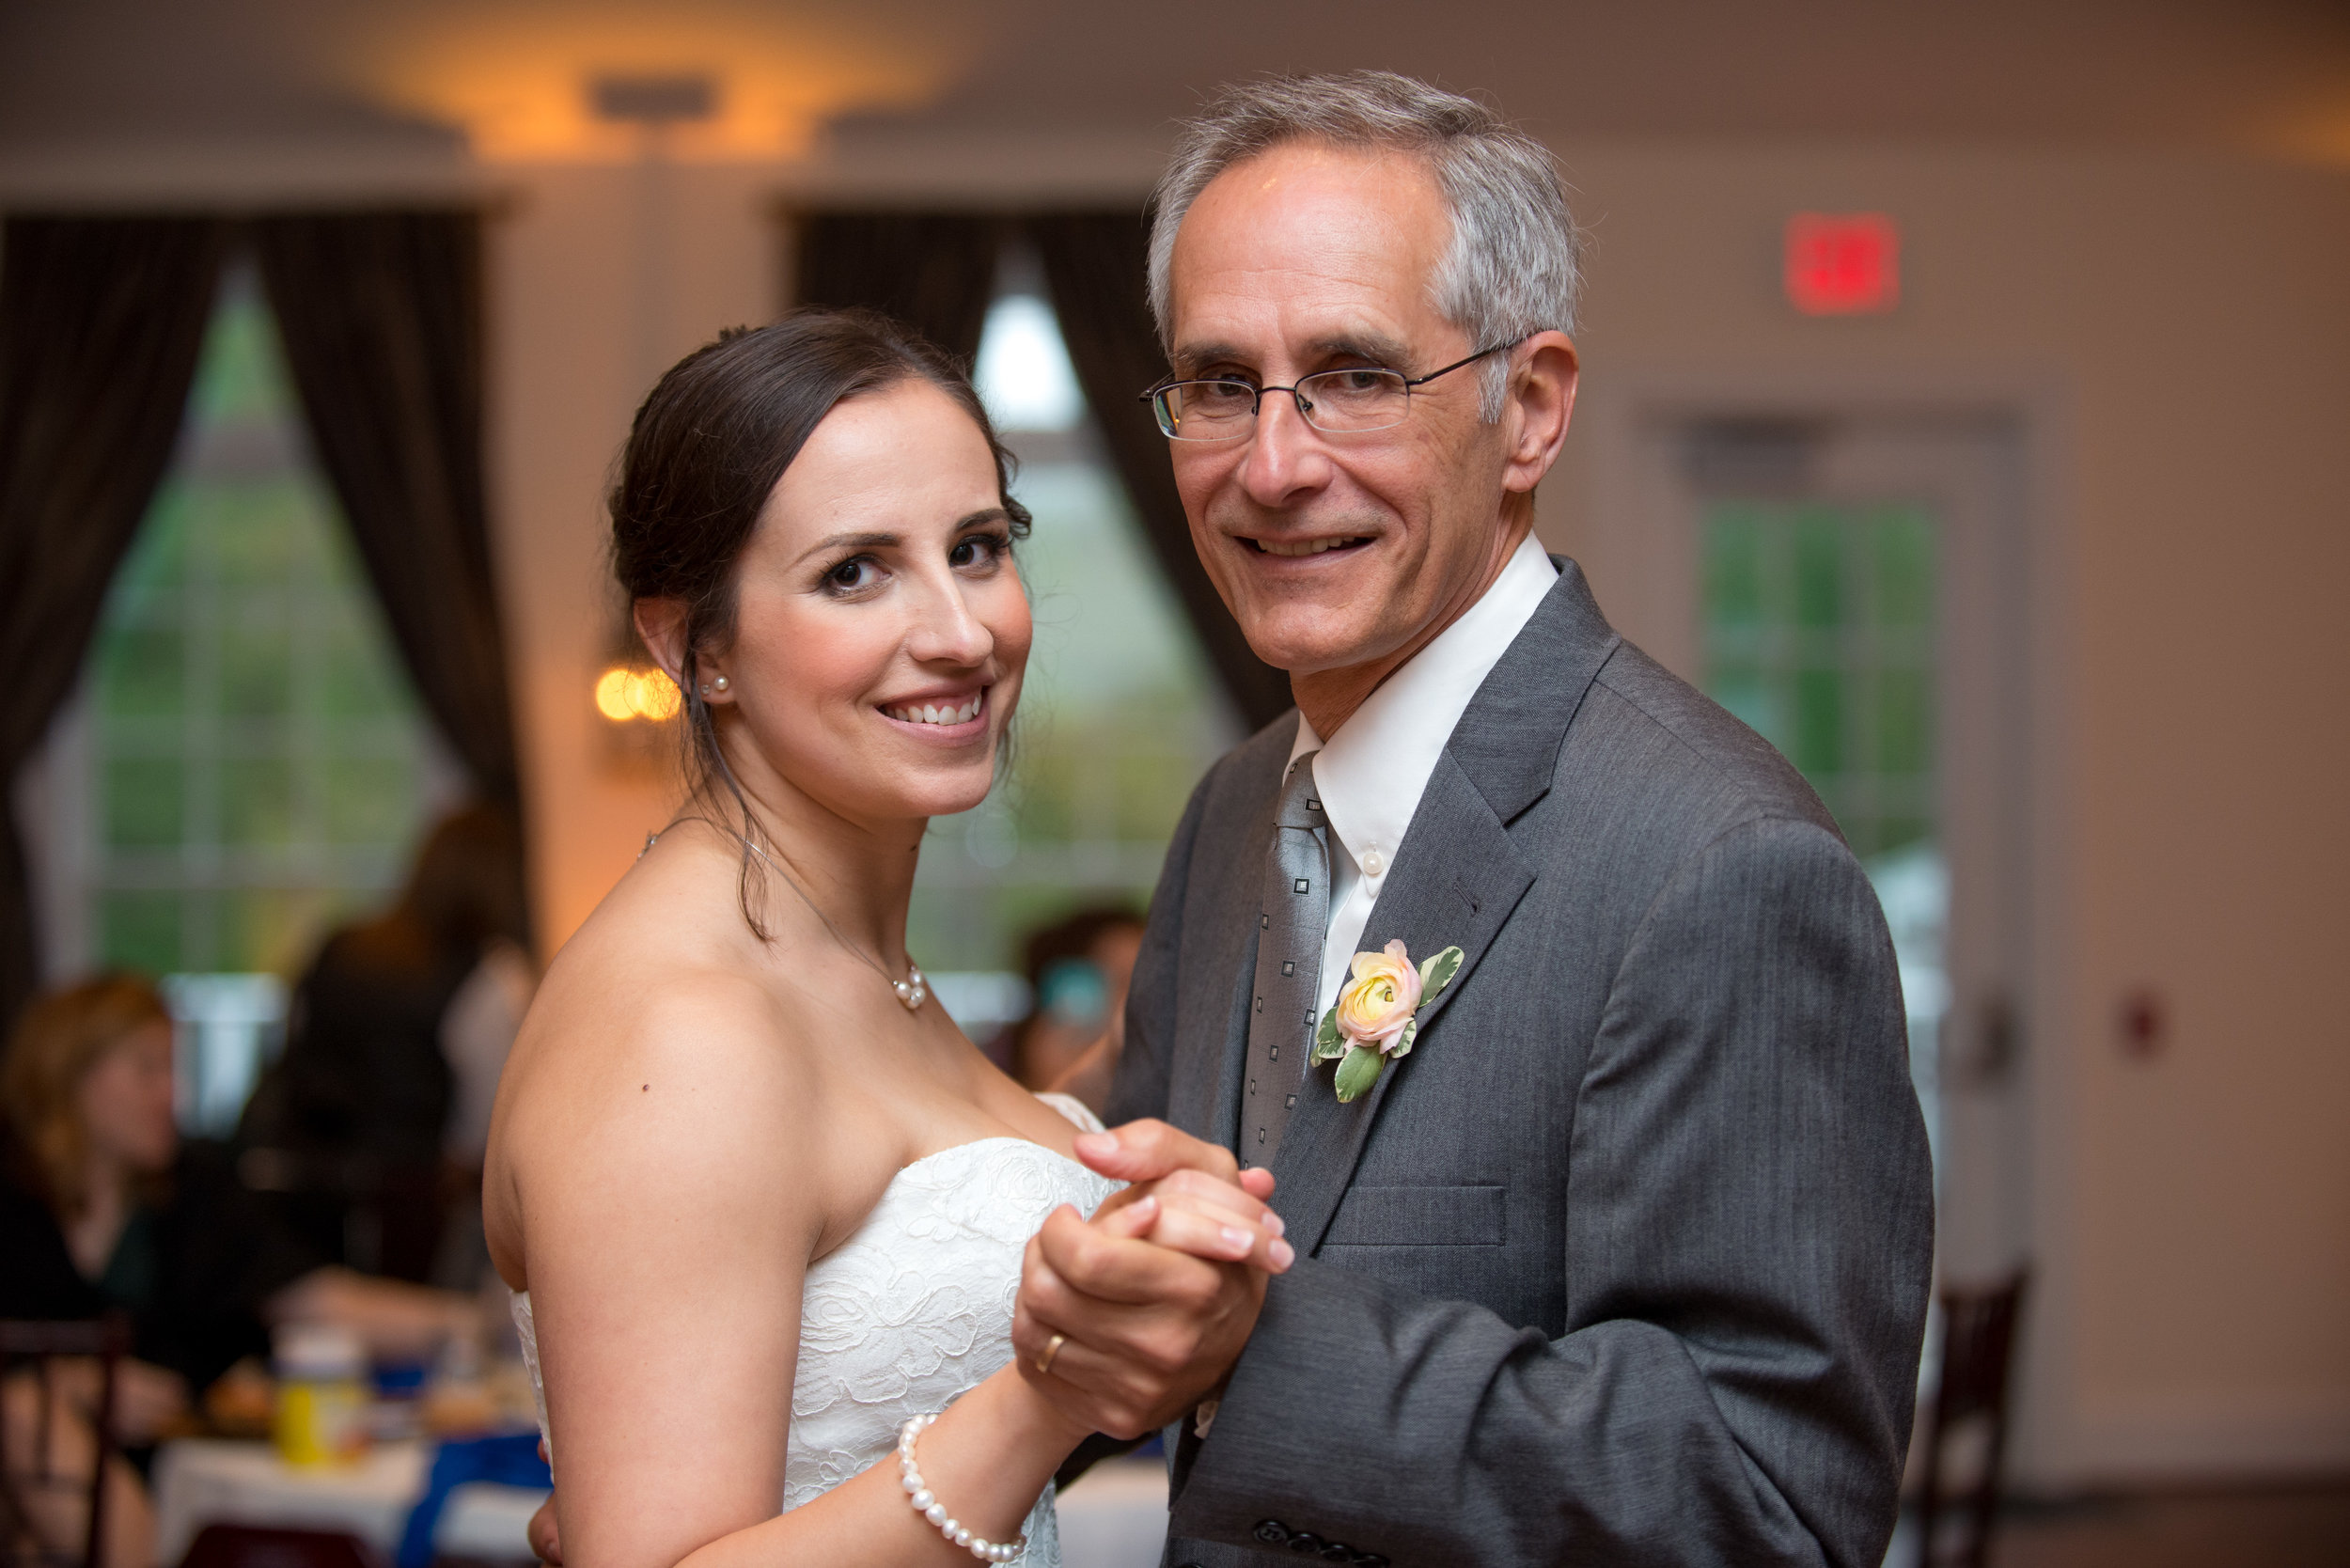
(505, 1461)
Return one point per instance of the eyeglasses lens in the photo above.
(1334, 401)
(1342, 401)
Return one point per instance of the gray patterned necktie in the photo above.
(1295, 919)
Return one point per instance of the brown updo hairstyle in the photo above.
(705, 452)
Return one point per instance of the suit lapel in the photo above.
(1457, 876)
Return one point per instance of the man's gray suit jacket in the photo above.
(1627, 1262)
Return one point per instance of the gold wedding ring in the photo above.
(1052, 1348)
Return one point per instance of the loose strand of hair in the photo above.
(702, 740)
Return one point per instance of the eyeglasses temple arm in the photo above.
(1472, 359)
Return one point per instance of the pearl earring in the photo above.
(722, 682)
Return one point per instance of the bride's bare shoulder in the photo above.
(657, 1074)
(663, 998)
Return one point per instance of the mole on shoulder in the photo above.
(641, 1087)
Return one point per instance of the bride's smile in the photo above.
(949, 716)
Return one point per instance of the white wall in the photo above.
(577, 341)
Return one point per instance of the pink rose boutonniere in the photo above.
(1377, 1013)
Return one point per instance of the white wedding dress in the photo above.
(914, 1309)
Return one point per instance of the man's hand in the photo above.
(1157, 1297)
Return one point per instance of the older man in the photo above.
(1626, 1260)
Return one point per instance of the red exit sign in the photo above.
(1842, 263)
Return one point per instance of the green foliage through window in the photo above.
(1819, 633)
(258, 764)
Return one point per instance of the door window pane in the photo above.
(1819, 633)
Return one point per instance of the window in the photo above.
(1819, 632)
(1120, 714)
(247, 762)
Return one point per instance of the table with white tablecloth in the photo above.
(204, 1481)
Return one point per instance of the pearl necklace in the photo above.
(913, 991)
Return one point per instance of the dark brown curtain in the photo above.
(100, 324)
(933, 270)
(381, 317)
(1093, 263)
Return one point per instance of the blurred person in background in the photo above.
(1077, 970)
(104, 1207)
(371, 1129)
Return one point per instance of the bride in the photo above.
(762, 1205)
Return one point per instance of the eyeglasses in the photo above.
(1336, 403)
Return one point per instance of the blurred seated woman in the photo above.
(104, 1208)
(370, 1131)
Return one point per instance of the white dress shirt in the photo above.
(1371, 774)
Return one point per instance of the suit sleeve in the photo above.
(1749, 1240)
(1139, 1086)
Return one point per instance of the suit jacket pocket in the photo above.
(1418, 1217)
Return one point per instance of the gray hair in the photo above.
(1513, 267)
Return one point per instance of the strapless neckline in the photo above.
(922, 1160)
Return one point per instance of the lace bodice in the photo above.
(915, 1308)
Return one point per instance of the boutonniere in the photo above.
(1377, 1013)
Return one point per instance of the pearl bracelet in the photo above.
(919, 1493)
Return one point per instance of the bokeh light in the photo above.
(624, 695)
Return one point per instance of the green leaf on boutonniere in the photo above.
(1357, 1072)
(1437, 972)
(1328, 1043)
(1404, 1041)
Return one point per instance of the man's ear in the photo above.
(661, 622)
(1543, 379)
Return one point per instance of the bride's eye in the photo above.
(852, 576)
(981, 550)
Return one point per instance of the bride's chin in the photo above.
(942, 797)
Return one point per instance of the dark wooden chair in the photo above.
(1978, 1352)
(29, 1354)
(270, 1546)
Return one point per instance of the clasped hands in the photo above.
(1129, 1319)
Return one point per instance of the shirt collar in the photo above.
(1371, 774)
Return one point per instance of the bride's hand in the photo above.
(1186, 1195)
